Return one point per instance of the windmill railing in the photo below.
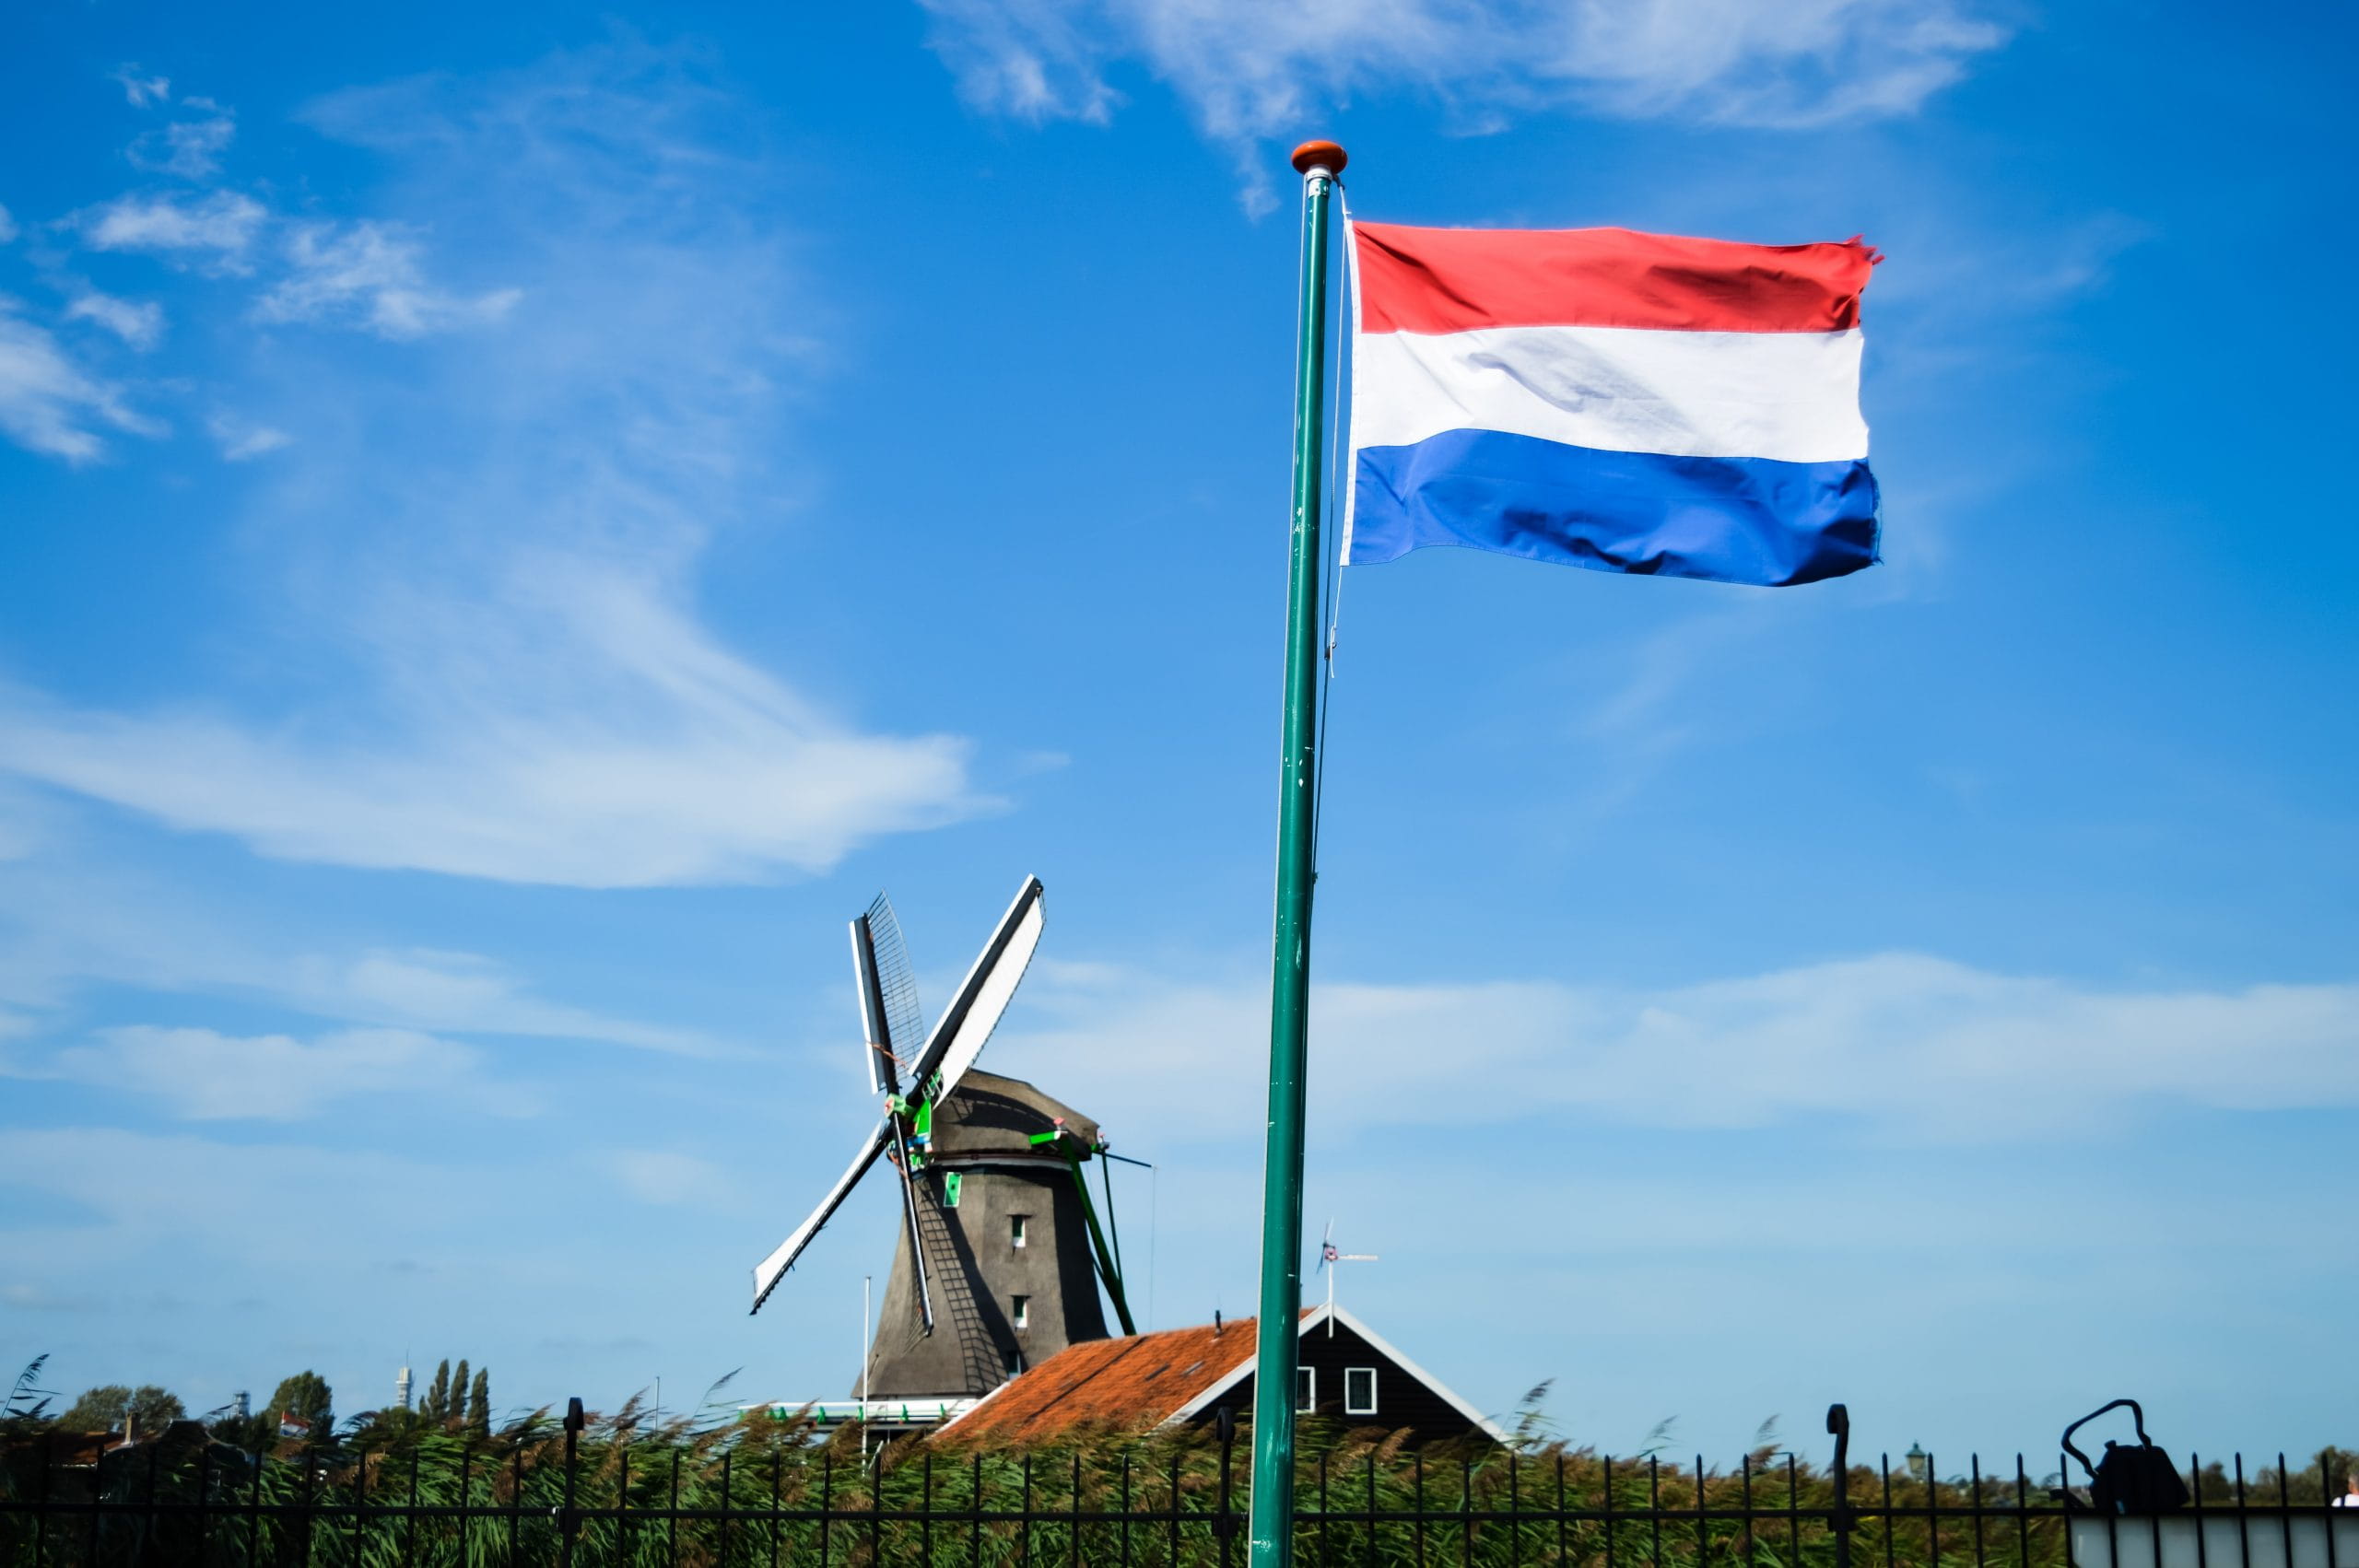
(761, 1491)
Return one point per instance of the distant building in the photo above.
(878, 1417)
(1183, 1377)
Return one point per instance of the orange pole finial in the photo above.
(1320, 155)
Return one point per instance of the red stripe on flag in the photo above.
(1444, 280)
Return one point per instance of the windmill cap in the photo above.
(990, 1114)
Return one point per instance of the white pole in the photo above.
(864, 1343)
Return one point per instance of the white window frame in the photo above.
(1306, 1389)
(1350, 1373)
(1018, 1230)
(1021, 1312)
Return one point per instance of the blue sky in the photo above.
(513, 525)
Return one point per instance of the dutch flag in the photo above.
(1626, 402)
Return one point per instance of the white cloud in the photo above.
(659, 1178)
(493, 541)
(464, 991)
(208, 1076)
(140, 90)
(1897, 1044)
(189, 148)
(66, 924)
(367, 275)
(1801, 62)
(50, 404)
(220, 225)
(139, 322)
(1251, 70)
(7, 227)
(241, 440)
(1033, 59)
(650, 757)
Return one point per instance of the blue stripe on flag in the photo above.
(1751, 520)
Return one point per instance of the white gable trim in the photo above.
(1343, 1317)
(1203, 1402)
(979, 1404)
(1377, 1342)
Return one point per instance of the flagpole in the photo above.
(1271, 1522)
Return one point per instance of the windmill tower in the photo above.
(1000, 1253)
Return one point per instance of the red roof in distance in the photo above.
(1134, 1383)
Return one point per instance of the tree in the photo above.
(437, 1403)
(99, 1409)
(104, 1408)
(479, 1403)
(307, 1394)
(154, 1409)
(457, 1409)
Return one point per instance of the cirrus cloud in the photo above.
(48, 403)
(493, 536)
(1250, 70)
(222, 223)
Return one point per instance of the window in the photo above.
(1017, 1226)
(1023, 1313)
(1360, 1390)
(1305, 1388)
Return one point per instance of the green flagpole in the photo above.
(1274, 1375)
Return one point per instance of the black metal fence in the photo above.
(754, 1494)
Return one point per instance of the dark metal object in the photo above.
(1838, 1424)
(2131, 1480)
(1225, 1522)
(567, 1521)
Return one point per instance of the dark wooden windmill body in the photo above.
(1009, 1257)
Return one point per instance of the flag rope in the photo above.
(1335, 569)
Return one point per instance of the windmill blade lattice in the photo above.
(897, 983)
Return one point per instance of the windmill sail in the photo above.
(876, 1035)
(965, 1026)
(771, 1269)
(897, 983)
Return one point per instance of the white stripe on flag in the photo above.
(1792, 396)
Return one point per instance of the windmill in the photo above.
(1328, 1259)
(999, 1241)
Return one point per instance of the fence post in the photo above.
(564, 1520)
(1838, 1422)
(1225, 1522)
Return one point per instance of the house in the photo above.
(1348, 1373)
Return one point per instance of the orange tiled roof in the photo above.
(1137, 1382)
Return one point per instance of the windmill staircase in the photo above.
(951, 1272)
